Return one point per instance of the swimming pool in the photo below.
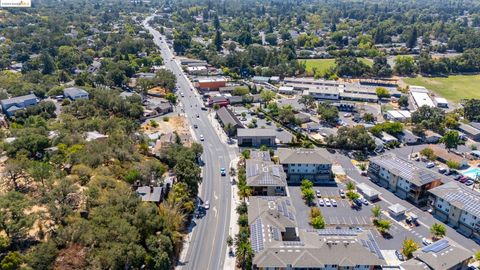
(472, 173)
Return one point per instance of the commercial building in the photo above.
(265, 177)
(421, 97)
(278, 243)
(458, 206)
(309, 164)
(286, 90)
(228, 121)
(12, 105)
(407, 137)
(402, 177)
(211, 83)
(443, 254)
(368, 192)
(324, 92)
(260, 79)
(358, 97)
(256, 137)
(310, 81)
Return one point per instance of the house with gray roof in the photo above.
(12, 105)
(278, 243)
(403, 177)
(74, 93)
(255, 137)
(150, 193)
(265, 178)
(443, 254)
(227, 118)
(458, 206)
(303, 163)
(471, 131)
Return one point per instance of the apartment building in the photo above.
(310, 164)
(402, 177)
(265, 177)
(458, 206)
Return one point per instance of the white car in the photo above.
(181, 94)
(206, 205)
(202, 138)
(319, 195)
(334, 202)
(426, 241)
(327, 202)
(321, 202)
(347, 115)
(430, 165)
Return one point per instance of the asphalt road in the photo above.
(207, 244)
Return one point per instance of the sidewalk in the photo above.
(230, 261)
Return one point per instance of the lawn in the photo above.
(454, 88)
(323, 65)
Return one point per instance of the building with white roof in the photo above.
(421, 97)
(441, 102)
(398, 115)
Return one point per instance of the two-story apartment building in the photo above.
(403, 177)
(265, 177)
(311, 164)
(458, 206)
(278, 243)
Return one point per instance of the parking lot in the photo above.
(342, 215)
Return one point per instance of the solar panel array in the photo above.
(275, 233)
(471, 203)
(293, 243)
(405, 169)
(374, 246)
(341, 232)
(256, 236)
(437, 246)
(282, 208)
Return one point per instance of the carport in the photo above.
(397, 210)
(368, 192)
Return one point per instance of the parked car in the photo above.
(469, 182)
(426, 241)
(223, 172)
(317, 192)
(203, 108)
(358, 202)
(195, 126)
(364, 201)
(463, 179)
(442, 169)
(206, 205)
(202, 138)
(430, 165)
(321, 202)
(327, 202)
(334, 202)
(342, 193)
(399, 255)
(457, 177)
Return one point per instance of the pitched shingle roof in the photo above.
(460, 196)
(303, 156)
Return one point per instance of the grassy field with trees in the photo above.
(454, 88)
(321, 66)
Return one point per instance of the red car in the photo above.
(463, 179)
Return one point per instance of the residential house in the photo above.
(156, 107)
(471, 131)
(264, 177)
(398, 115)
(407, 137)
(12, 105)
(458, 206)
(309, 164)
(402, 177)
(75, 93)
(444, 155)
(302, 118)
(95, 136)
(278, 243)
(387, 138)
(227, 118)
(431, 137)
(17, 67)
(444, 254)
(255, 137)
(150, 193)
(260, 79)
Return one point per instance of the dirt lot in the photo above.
(174, 124)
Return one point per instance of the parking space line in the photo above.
(344, 221)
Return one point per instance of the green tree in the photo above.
(328, 113)
(428, 152)
(307, 101)
(40, 171)
(404, 65)
(382, 92)
(218, 41)
(403, 101)
(267, 96)
(318, 222)
(308, 195)
(350, 186)
(351, 195)
(453, 164)
(369, 118)
(409, 246)
(383, 226)
(451, 139)
(438, 230)
(376, 212)
(471, 109)
(12, 261)
(42, 256)
(48, 64)
(171, 97)
(14, 220)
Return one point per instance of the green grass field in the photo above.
(323, 65)
(454, 88)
